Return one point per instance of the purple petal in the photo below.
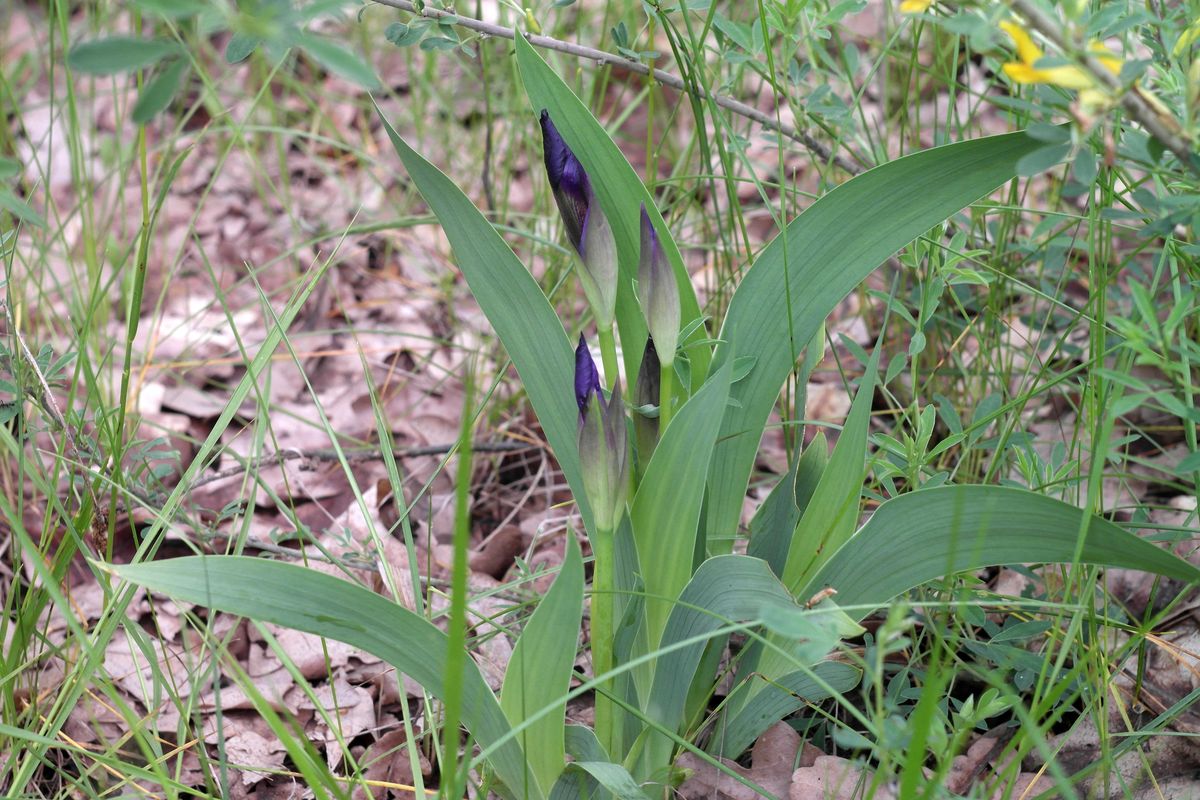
(568, 180)
(587, 377)
(650, 247)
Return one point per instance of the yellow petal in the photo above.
(1068, 77)
(915, 6)
(1106, 57)
(1023, 73)
(1027, 51)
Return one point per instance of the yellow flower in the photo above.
(1068, 76)
(914, 6)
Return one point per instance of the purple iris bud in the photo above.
(587, 227)
(568, 181)
(587, 377)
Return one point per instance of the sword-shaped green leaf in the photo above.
(311, 601)
(820, 257)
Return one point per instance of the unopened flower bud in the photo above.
(587, 227)
(658, 293)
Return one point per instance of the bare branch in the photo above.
(329, 454)
(603, 58)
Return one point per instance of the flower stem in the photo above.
(602, 633)
(608, 355)
(666, 380)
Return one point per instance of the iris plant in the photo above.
(604, 447)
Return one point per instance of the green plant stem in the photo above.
(608, 354)
(666, 384)
(456, 646)
(602, 634)
(134, 315)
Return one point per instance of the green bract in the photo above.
(604, 458)
(658, 293)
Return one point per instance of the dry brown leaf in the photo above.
(835, 778)
(388, 760)
(773, 758)
(247, 749)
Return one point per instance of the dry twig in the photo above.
(603, 58)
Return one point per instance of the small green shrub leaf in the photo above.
(157, 94)
(240, 46)
(117, 54)
(340, 61)
(172, 9)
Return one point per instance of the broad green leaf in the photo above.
(338, 60)
(311, 601)
(666, 510)
(774, 524)
(539, 671)
(118, 54)
(832, 516)
(621, 193)
(613, 777)
(725, 589)
(923, 535)
(737, 731)
(20, 209)
(157, 94)
(817, 260)
(918, 537)
(240, 46)
(524, 321)
(171, 9)
(583, 745)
